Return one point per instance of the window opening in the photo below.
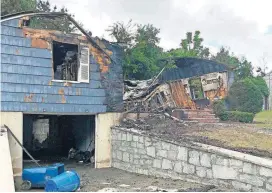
(70, 62)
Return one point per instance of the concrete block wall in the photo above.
(139, 153)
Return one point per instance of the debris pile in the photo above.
(138, 88)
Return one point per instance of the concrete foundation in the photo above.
(14, 120)
(139, 153)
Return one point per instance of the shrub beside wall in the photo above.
(220, 111)
(237, 116)
(245, 96)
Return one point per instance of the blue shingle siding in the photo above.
(113, 81)
(11, 23)
(27, 86)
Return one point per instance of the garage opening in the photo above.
(60, 138)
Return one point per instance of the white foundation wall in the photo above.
(6, 174)
(141, 153)
(103, 124)
(14, 120)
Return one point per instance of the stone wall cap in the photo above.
(265, 162)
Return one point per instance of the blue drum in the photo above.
(68, 181)
(36, 177)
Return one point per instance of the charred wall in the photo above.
(27, 74)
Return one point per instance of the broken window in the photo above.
(196, 88)
(163, 96)
(70, 62)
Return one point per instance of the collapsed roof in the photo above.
(138, 88)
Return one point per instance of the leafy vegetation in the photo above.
(261, 85)
(143, 53)
(219, 108)
(237, 116)
(245, 96)
(60, 23)
(242, 67)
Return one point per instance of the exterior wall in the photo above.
(6, 174)
(14, 120)
(143, 154)
(26, 74)
(180, 95)
(268, 79)
(104, 122)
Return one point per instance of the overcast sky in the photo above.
(243, 25)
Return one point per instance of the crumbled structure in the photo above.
(55, 87)
(193, 86)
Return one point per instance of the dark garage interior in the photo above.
(49, 138)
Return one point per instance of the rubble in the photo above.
(137, 88)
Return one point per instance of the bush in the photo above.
(219, 107)
(261, 85)
(243, 117)
(245, 96)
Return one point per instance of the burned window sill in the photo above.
(68, 81)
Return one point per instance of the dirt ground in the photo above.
(115, 180)
(247, 138)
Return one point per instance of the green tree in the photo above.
(261, 85)
(193, 45)
(242, 67)
(245, 96)
(123, 33)
(13, 6)
(60, 23)
(225, 57)
(142, 52)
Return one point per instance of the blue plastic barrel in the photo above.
(68, 181)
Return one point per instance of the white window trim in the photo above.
(68, 81)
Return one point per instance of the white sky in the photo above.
(243, 25)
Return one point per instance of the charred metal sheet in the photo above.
(192, 67)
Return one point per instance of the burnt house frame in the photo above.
(30, 93)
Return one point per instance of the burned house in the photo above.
(58, 91)
(193, 84)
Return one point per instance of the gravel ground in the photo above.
(115, 180)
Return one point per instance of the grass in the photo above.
(240, 138)
(264, 119)
(243, 137)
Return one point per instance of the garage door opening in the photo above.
(60, 138)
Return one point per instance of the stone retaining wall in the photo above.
(140, 153)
